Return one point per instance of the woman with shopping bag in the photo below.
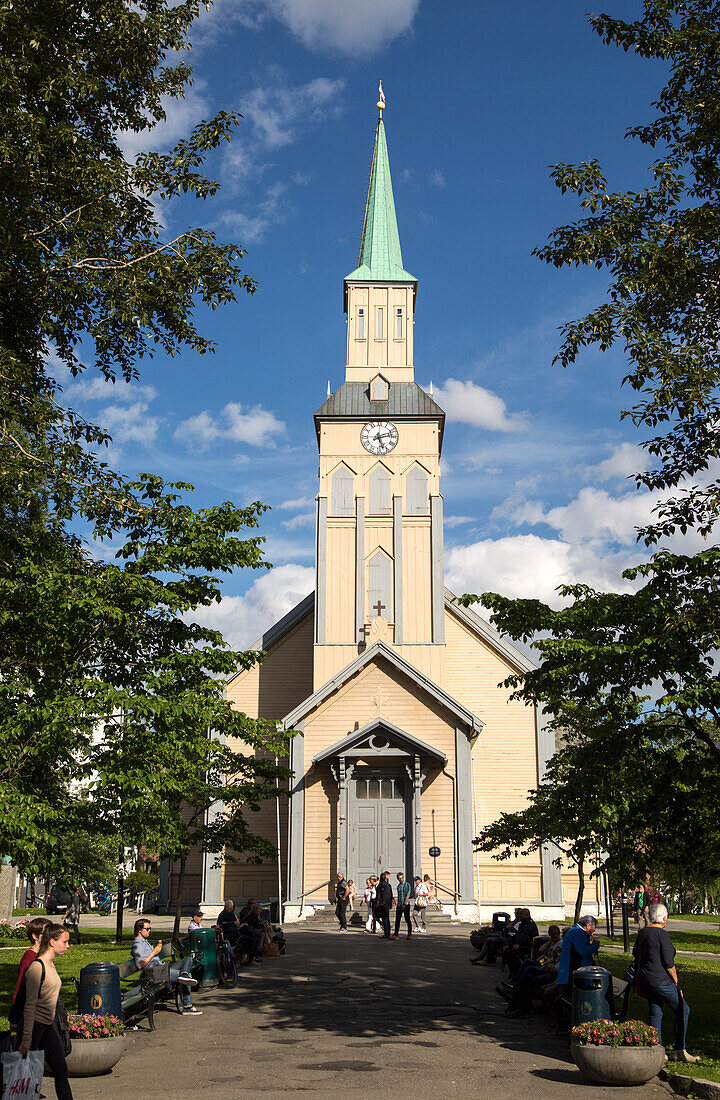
(37, 1029)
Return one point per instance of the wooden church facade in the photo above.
(405, 742)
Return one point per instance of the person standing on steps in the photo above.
(342, 896)
(421, 902)
(403, 895)
(383, 902)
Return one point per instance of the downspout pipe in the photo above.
(446, 773)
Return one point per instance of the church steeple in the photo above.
(380, 293)
(380, 253)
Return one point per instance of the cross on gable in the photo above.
(379, 607)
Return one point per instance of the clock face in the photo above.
(379, 437)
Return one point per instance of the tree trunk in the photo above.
(581, 885)
(178, 899)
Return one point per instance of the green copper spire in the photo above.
(380, 254)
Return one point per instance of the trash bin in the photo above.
(500, 921)
(99, 990)
(591, 987)
(203, 950)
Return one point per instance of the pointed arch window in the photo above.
(379, 586)
(380, 495)
(342, 492)
(416, 492)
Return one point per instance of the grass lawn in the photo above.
(696, 941)
(17, 913)
(700, 982)
(68, 966)
(704, 918)
(97, 936)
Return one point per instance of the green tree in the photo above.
(649, 655)
(89, 276)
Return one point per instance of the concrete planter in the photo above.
(618, 1065)
(92, 1057)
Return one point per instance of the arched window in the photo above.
(342, 492)
(379, 586)
(380, 495)
(416, 492)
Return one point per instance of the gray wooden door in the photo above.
(378, 828)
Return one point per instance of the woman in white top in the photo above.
(369, 899)
(421, 902)
(433, 899)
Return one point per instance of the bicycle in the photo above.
(226, 965)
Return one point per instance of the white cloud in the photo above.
(304, 519)
(457, 521)
(591, 516)
(243, 619)
(276, 115)
(286, 550)
(350, 28)
(256, 426)
(530, 566)
(271, 211)
(437, 178)
(279, 111)
(336, 25)
(294, 505)
(623, 462)
(129, 423)
(99, 389)
(469, 403)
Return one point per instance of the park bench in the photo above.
(137, 1000)
(151, 988)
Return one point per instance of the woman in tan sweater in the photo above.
(42, 987)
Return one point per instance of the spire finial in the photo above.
(381, 100)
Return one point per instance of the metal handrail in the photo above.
(306, 893)
(452, 893)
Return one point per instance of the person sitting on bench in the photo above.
(145, 956)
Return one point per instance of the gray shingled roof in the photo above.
(406, 399)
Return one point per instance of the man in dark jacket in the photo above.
(342, 896)
(383, 902)
(521, 944)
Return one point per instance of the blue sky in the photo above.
(481, 98)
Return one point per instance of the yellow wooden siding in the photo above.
(331, 659)
(340, 587)
(416, 586)
(277, 685)
(504, 756)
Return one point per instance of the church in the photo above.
(405, 744)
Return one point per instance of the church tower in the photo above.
(392, 689)
(379, 552)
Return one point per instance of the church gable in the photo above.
(379, 690)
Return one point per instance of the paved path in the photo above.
(358, 1015)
